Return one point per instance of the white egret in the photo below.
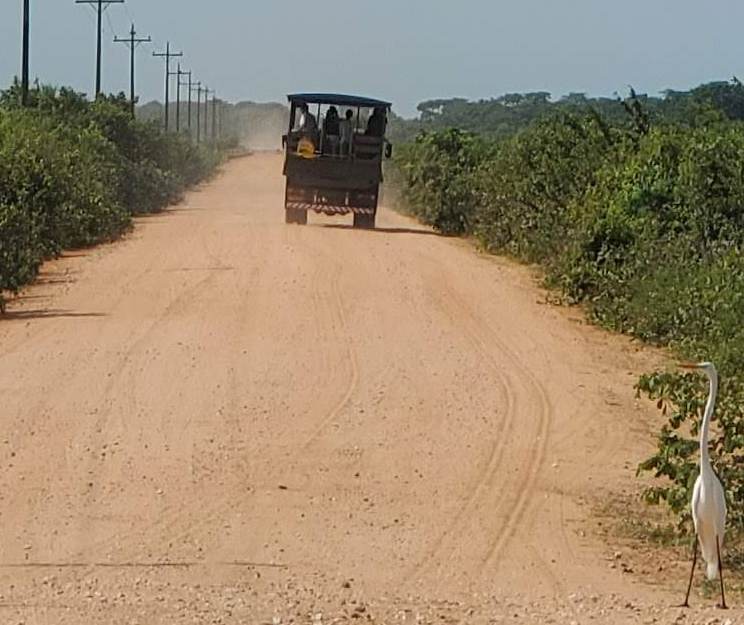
(708, 501)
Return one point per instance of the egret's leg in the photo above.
(720, 573)
(686, 604)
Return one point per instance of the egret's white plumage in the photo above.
(708, 500)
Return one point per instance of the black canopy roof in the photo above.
(337, 98)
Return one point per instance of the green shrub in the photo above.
(644, 225)
(20, 247)
(437, 170)
(65, 179)
(527, 188)
(675, 462)
(72, 173)
(658, 254)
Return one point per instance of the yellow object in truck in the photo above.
(306, 148)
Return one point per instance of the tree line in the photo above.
(504, 116)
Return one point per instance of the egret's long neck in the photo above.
(709, 407)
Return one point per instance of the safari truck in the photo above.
(333, 156)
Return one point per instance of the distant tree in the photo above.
(575, 99)
(431, 109)
(728, 97)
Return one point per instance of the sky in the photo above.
(405, 51)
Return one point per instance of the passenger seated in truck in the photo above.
(307, 127)
(331, 131)
(346, 131)
(376, 123)
(308, 123)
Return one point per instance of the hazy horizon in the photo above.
(407, 54)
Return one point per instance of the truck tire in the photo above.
(365, 221)
(295, 216)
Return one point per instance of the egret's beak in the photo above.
(688, 365)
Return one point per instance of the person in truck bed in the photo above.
(308, 123)
(331, 131)
(346, 130)
(376, 123)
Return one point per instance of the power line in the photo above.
(101, 4)
(167, 55)
(111, 28)
(90, 15)
(129, 13)
(132, 43)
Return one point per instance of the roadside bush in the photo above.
(20, 247)
(620, 223)
(437, 171)
(73, 172)
(527, 188)
(667, 207)
(682, 397)
(658, 254)
(64, 181)
(641, 224)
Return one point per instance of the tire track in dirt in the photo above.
(46, 331)
(480, 336)
(606, 444)
(484, 480)
(214, 507)
(170, 521)
(123, 376)
(328, 306)
(98, 427)
(333, 303)
(536, 461)
(338, 310)
(119, 378)
(525, 486)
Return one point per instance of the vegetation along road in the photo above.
(242, 421)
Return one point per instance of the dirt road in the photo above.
(223, 419)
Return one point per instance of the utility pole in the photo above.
(186, 84)
(198, 111)
(24, 54)
(168, 55)
(177, 74)
(207, 91)
(102, 6)
(214, 117)
(132, 44)
(178, 97)
(221, 119)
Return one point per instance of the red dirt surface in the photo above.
(225, 419)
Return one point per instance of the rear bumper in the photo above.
(330, 209)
